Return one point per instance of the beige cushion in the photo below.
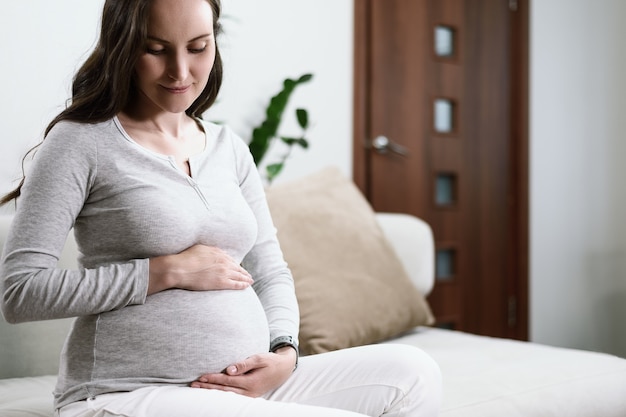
(351, 287)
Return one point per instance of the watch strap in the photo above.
(282, 341)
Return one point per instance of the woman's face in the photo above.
(179, 54)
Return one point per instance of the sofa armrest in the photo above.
(412, 239)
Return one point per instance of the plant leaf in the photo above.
(290, 141)
(273, 170)
(303, 118)
(289, 83)
(304, 78)
(303, 143)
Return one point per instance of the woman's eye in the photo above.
(197, 50)
(155, 51)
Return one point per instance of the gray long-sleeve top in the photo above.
(126, 205)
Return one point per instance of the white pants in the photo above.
(378, 380)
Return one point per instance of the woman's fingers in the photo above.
(210, 268)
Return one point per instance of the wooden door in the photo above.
(440, 131)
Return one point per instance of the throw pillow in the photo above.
(351, 287)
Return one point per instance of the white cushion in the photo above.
(27, 397)
(490, 377)
(412, 240)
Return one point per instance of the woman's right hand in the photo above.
(198, 268)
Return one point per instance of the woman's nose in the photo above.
(178, 67)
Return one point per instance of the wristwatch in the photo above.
(282, 341)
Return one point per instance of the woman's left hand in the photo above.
(254, 376)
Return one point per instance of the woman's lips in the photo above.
(177, 90)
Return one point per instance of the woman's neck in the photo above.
(173, 125)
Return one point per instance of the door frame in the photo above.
(518, 261)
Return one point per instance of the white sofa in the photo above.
(482, 376)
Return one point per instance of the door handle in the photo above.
(383, 145)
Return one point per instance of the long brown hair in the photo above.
(104, 85)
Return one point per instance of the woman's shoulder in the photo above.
(77, 138)
(65, 126)
(68, 130)
(223, 134)
(216, 130)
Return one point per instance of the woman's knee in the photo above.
(421, 382)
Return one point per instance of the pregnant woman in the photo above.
(184, 304)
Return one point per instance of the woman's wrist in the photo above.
(158, 277)
(291, 353)
(282, 343)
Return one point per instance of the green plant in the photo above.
(264, 134)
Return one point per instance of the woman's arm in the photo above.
(273, 281)
(56, 187)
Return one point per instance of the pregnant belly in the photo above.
(178, 335)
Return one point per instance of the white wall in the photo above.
(268, 41)
(578, 237)
(578, 197)
(41, 44)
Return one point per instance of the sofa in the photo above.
(482, 376)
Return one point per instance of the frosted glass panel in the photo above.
(445, 264)
(443, 115)
(445, 189)
(444, 41)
